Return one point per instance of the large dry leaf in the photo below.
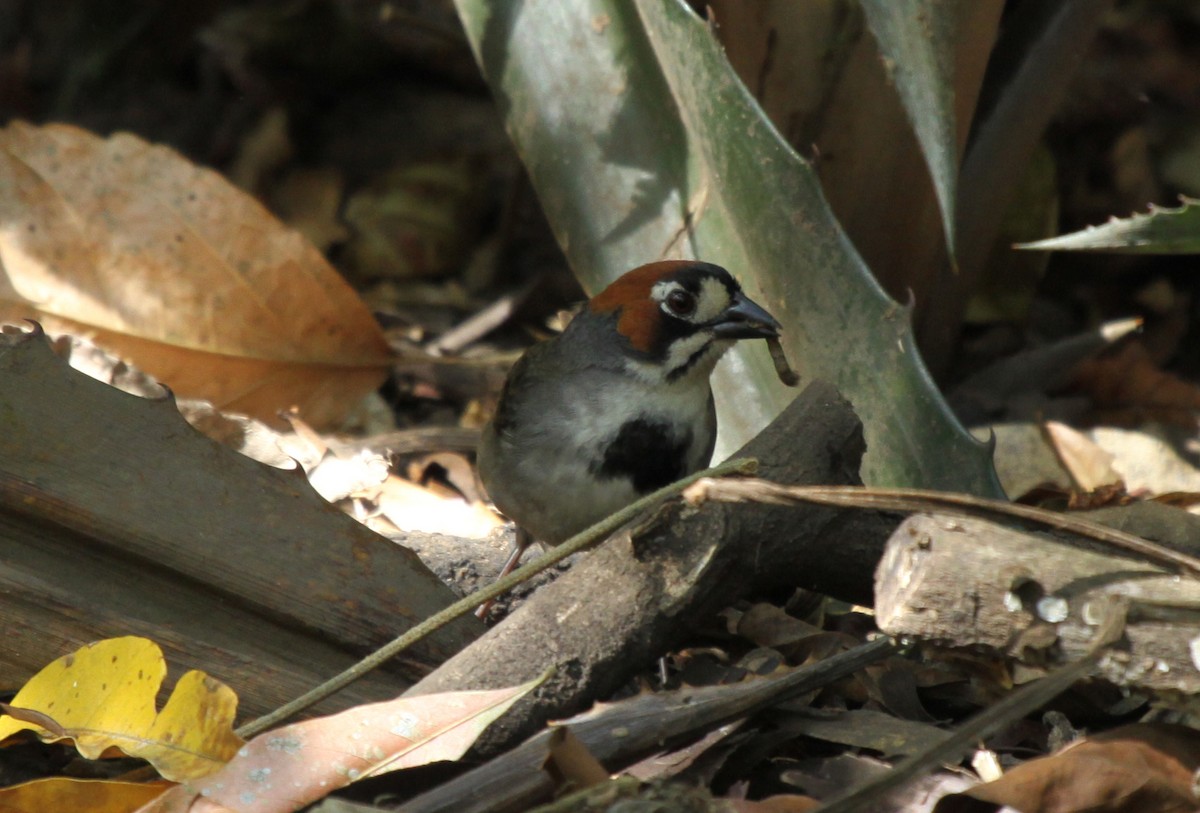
(290, 767)
(170, 265)
(102, 697)
(1141, 768)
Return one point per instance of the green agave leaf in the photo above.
(642, 143)
(1162, 230)
(917, 39)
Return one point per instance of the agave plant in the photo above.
(643, 140)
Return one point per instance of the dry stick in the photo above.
(915, 499)
(1023, 701)
(600, 530)
(483, 322)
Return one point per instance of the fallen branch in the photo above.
(464, 606)
(916, 499)
(627, 602)
(970, 583)
(955, 579)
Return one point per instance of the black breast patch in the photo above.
(647, 453)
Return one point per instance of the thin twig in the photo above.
(915, 499)
(482, 323)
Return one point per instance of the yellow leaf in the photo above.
(94, 796)
(102, 696)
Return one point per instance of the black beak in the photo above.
(745, 319)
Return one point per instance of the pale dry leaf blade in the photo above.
(1090, 466)
(412, 507)
(284, 769)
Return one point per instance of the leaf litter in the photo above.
(799, 755)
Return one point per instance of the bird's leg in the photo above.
(521, 543)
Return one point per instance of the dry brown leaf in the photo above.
(1114, 494)
(863, 728)
(1128, 388)
(672, 763)
(1141, 768)
(455, 468)
(775, 804)
(309, 201)
(171, 266)
(770, 626)
(571, 763)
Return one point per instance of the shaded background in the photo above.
(366, 125)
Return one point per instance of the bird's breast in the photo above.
(589, 449)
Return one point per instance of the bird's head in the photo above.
(677, 317)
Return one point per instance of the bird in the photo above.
(617, 405)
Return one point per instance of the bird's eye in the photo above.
(681, 303)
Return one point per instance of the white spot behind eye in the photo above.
(714, 299)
